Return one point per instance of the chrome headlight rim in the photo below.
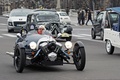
(68, 44)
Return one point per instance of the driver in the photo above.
(41, 29)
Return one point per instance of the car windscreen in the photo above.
(63, 14)
(50, 16)
(114, 17)
(20, 12)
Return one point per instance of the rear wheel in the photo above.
(19, 59)
(79, 57)
(109, 48)
(93, 34)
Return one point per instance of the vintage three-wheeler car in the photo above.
(32, 48)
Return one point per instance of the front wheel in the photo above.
(109, 48)
(19, 59)
(79, 57)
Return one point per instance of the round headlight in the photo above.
(33, 45)
(68, 44)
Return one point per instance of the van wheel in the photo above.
(109, 47)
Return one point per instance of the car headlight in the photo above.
(10, 24)
(33, 45)
(68, 44)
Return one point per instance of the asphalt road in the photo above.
(99, 65)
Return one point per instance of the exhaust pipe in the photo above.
(10, 54)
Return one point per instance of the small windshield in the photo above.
(20, 12)
(47, 16)
(63, 14)
(114, 17)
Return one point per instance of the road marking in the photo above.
(80, 29)
(9, 35)
(85, 34)
(3, 29)
(87, 37)
(77, 35)
(81, 35)
(3, 24)
(1, 36)
(92, 40)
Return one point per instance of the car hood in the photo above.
(17, 19)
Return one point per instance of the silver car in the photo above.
(17, 18)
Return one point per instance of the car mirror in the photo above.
(23, 32)
(18, 35)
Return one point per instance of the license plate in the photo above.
(19, 25)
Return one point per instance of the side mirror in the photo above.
(18, 35)
(23, 32)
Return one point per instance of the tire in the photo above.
(93, 34)
(9, 31)
(109, 48)
(70, 37)
(79, 57)
(102, 34)
(19, 59)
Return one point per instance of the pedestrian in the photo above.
(67, 11)
(89, 16)
(79, 17)
(82, 14)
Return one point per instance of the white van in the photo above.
(112, 33)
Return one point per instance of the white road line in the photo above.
(9, 35)
(85, 34)
(80, 29)
(3, 29)
(81, 35)
(92, 40)
(77, 35)
(3, 24)
(1, 36)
